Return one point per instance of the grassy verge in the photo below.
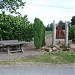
(50, 58)
(48, 33)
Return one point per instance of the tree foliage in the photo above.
(15, 27)
(39, 33)
(72, 34)
(62, 24)
(49, 27)
(11, 5)
(73, 20)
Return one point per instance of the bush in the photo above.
(15, 27)
(72, 34)
(39, 33)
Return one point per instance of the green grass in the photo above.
(48, 33)
(50, 58)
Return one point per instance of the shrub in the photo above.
(15, 27)
(39, 33)
(72, 34)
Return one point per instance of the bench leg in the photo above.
(8, 49)
(21, 47)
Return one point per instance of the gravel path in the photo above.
(29, 50)
(16, 55)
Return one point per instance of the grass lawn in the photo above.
(48, 33)
(50, 58)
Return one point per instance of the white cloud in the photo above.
(34, 9)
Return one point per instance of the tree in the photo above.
(73, 20)
(49, 27)
(15, 27)
(11, 5)
(62, 24)
(39, 33)
(72, 34)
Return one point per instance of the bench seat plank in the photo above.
(11, 43)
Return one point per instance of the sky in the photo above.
(49, 10)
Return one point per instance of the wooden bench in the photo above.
(12, 44)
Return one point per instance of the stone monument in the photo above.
(54, 34)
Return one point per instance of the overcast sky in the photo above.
(49, 10)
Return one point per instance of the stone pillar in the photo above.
(66, 33)
(54, 34)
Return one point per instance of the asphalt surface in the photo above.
(37, 69)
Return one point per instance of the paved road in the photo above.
(37, 70)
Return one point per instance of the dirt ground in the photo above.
(30, 49)
(48, 40)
